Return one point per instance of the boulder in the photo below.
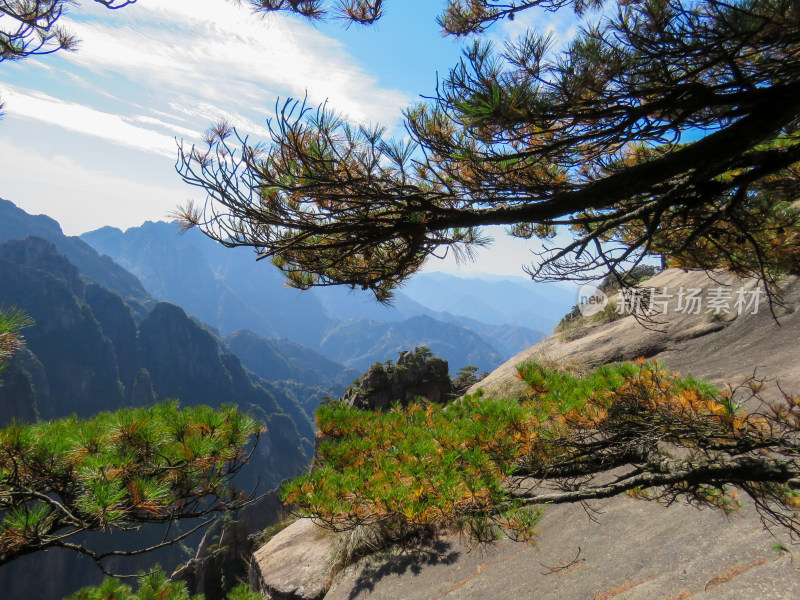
(295, 564)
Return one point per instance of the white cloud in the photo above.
(161, 69)
(84, 119)
(180, 131)
(80, 198)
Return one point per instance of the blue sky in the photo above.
(89, 137)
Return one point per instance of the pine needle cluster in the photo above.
(117, 471)
(153, 586)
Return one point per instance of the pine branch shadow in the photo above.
(408, 559)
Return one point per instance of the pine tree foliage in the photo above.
(152, 586)
(665, 126)
(12, 322)
(30, 28)
(117, 471)
(487, 466)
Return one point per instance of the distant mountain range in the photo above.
(362, 342)
(297, 346)
(537, 306)
(102, 270)
(230, 290)
(220, 286)
(308, 344)
(16, 224)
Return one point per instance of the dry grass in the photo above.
(567, 365)
(353, 544)
(620, 589)
(731, 573)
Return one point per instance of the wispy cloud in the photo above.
(222, 55)
(92, 128)
(84, 119)
(177, 67)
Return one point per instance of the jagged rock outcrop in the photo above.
(417, 374)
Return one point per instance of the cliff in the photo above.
(348, 326)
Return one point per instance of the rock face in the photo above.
(294, 565)
(635, 550)
(86, 354)
(68, 343)
(416, 374)
(723, 348)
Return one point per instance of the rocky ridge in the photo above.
(717, 344)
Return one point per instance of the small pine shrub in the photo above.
(153, 586)
(270, 532)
